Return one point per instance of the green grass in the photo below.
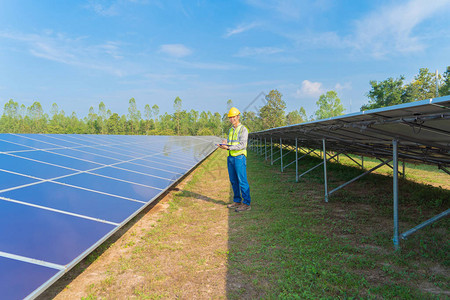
(292, 245)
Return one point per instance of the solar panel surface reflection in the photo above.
(62, 195)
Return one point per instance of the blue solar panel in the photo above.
(32, 168)
(63, 195)
(59, 160)
(6, 146)
(148, 170)
(75, 200)
(9, 180)
(46, 235)
(115, 155)
(51, 139)
(18, 279)
(76, 153)
(24, 141)
(112, 186)
(164, 166)
(153, 181)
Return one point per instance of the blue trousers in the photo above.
(237, 170)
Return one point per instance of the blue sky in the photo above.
(78, 53)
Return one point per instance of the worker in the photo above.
(237, 161)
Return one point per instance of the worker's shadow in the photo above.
(185, 193)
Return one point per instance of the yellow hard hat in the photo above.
(233, 112)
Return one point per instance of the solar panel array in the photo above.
(62, 195)
(422, 129)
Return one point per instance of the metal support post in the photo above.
(325, 170)
(296, 160)
(259, 146)
(443, 169)
(395, 187)
(265, 149)
(271, 152)
(313, 168)
(281, 151)
(426, 223)
(362, 162)
(403, 170)
(262, 147)
(351, 158)
(359, 176)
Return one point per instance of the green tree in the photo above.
(273, 113)
(177, 104)
(303, 115)
(422, 87)
(113, 124)
(134, 115)
(56, 121)
(10, 121)
(229, 104)
(148, 117)
(155, 112)
(385, 93)
(37, 118)
(294, 117)
(444, 89)
(102, 117)
(250, 120)
(329, 105)
(205, 131)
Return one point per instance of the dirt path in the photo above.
(176, 249)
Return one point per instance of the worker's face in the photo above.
(234, 120)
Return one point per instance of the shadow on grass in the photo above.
(190, 194)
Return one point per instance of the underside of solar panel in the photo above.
(422, 129)
(61, 196)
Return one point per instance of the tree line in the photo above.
(18, 118)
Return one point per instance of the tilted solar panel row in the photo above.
(62, 195)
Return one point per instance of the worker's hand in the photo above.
(223, 147)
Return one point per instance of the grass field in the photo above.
(305, 248)
(291, 245)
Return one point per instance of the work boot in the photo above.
(234, 205)
(243, 207)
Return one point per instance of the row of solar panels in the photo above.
(63, 195)
(422, 129)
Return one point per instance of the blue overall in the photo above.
(237, 170)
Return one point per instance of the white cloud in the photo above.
(108, 10)
(309, 89)
(399, 27)
(175, 50)
(209, 66)
(240, 29)
(392, 28)
(345, 86)
(70, 51)
(250, 51)
(292, 9)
